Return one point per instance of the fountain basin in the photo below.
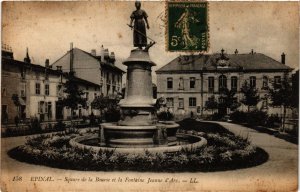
(114, 135)
(184, 141)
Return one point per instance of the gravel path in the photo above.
(279, 173)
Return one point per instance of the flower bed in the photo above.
(224, 151)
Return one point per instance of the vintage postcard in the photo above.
(149, 96)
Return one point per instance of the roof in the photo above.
(217, 61)
(8, 61)
(104, 64)
(98, 58)
(37, 67)
(79, 80)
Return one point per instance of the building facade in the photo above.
(37, 90)
(188, 81)
(96, 68)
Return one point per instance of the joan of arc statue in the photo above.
(139, 17)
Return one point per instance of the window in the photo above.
(37, 75)
(265, 82)
(47, 89)
(234, 83)
(46, 76)
(181, 83)
(41, 107)
(87, 95)
(3, 93)
(222, 82)
(49, 110)
(46, 107)
(192, 102)
(107, 78)
(277, 80)
(221, 100)
(170, 102)
(211, 84)
(113, 79)
(108, 89)
(4, 113)
(264, 103)
(23, 74)
(192, 82)
(59, 90)
(170, 83)
(37, 88)
(23, 90)
(180, 103)
(253, 81)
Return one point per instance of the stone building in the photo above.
(96, 68)
(188, 81)
(38, 89)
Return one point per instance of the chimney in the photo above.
(7, 51)
(27, 58)
(283, 58)
(93, 52)
(106, 54)
(47, 63)
(252, 51)
(112, 57)
(102, 52)
(71, 57)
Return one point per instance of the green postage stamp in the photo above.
(187, 26)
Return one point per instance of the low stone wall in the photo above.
(165, 149)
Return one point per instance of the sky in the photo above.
(47, 28)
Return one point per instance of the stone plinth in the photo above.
(138, 105)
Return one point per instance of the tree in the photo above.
(282, 95)
(111, 104)
(100, 103)
(73, 96)
(16, 100)
(211, 104)
(251, 97)
(228, 98)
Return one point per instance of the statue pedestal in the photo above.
(138, 105)
(138, 124)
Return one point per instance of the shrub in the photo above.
(273, 121)
(224, 151)
(35, 125)
(256, 117)
(60, 126)
(165, 116)
(238, 117)
(84, 119)
(112, 115)
(92, 120)
(253, 118)
(216, 116)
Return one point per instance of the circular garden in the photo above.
(224, 151)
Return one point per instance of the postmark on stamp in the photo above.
(187, 26)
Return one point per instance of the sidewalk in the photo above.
(278, 173)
